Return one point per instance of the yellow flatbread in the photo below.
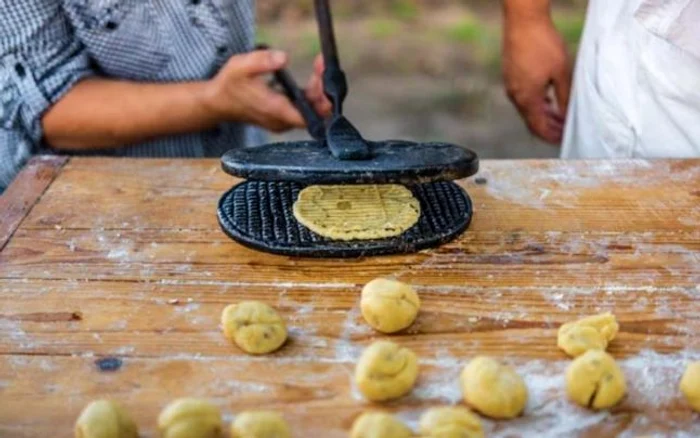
(357, 212)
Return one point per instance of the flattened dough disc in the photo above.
(357, 212)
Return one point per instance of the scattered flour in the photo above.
(118, 254)
(124, 351)
(47, 364)
(345, 349)
(238, 387)
(652, 381)
(505, 180)
(187, 308)
(118, 325)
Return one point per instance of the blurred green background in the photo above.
(419, 69)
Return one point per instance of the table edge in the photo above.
(25, 192)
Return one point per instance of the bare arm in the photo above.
(534, 60)
(103, 113)
(526, 9)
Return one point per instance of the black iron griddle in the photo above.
(258, 212)
(259, 215)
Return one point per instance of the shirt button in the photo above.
(222, 50)
(21, 72)
(196, 2)
(111, 25)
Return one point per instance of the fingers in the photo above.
(259, 62)
(319, 65)
(276, 113)
(317, 97)
(539, 111)
(543, 120)
(315, 92)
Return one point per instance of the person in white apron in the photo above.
(636, 87)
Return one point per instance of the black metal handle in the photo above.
(335, 83)
(315, 125)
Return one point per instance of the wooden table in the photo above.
(124, 258)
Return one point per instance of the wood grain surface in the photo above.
(27, 189)
(124, 259)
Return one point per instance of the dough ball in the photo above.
(386, 371)
(254, 326)
(188, 418)
(388, 305)
(450, 422)
(594, 380)
(379, 425)
(591, 333)
(493, 389)
(690, 385)
(260, 424)
(105, 419)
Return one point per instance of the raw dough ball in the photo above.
(450, 422)
(357, 212)
(386, 371)
(379, 425)
(690, 385)
(254, 326)
(388, 305)
(591, 333)
(493, 389)
(105, 419)
(594, 380)
(260, 424)
(189, 418)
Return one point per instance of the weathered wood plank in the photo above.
(325, 323)
(318, 398)
(517, 195)
(24, 193)
(477, 259)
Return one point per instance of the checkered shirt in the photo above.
(47, 46)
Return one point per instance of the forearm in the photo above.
(516, 11)
(104, 114)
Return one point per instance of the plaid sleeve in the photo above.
(40, 60)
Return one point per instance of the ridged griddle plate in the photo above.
(259, 215)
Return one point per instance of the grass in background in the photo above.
(570, 27)
(311, 45)
(384, 28)
(469, 40)
(404, 9)
(467, 30)
(263, 36)
(481, 38)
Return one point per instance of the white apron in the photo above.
(637, 81)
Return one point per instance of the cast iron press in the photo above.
(258, 213)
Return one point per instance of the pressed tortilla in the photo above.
(357, 212)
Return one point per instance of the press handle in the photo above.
(315, 125)
(335, 83)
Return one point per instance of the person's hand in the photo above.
(534, 61)
(314, 89)
(240, 93)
